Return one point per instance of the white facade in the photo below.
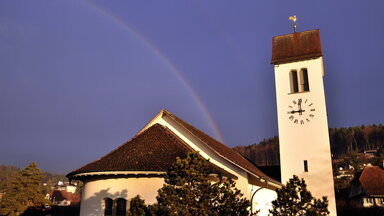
(95, 191)
(304, 139)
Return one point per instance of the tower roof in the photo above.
(296, 46)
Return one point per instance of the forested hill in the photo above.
(264, 153)
(343, 141)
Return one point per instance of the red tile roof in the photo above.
(59, 195)
(222, 149)
(296, 46)
(155, 149)
(372, 180)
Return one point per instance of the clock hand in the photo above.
(293, 111)
(299, 105)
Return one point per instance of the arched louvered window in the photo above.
(108, 206)
(293, 81)
(304, 80)
(121, 207)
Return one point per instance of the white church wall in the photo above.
(262, 199)
(95, 191)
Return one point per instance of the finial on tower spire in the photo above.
(293, 18)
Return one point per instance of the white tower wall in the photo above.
(308, 141)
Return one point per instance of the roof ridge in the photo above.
(177, 119)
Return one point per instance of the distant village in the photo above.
(359, 179)
(64, 194)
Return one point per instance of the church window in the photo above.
(380, 201)
(108, 205)
(121, 207)
(305, 166)
(304, 80)
(369, 200)
(294, 81)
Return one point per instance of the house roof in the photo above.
(59, 195)
(372, 180)
(155, 149)
(222, 149)
(296, 46)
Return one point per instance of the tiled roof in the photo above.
(155, 149)
(222, 149)
(59, 195)
(296, 46)
(372, 180)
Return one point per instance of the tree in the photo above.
(294, 199)
(139, 208)
(188, 191)
(23, 190)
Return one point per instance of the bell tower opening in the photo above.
(294, 81)
(304, 80)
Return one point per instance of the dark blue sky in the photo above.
(79, 78)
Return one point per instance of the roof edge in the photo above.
(146, 126)
(294, 59)
(115, 173)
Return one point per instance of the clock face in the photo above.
(301, 111)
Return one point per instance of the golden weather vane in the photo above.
(293, 18)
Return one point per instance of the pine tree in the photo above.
(294, 199)
(188, 191)
(138, 207)
(23, 190)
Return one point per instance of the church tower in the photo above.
(301, 111)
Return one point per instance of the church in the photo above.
(137, 166)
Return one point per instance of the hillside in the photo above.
(49, 179)
(343, 141)
(265, 153)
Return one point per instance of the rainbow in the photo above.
(166, 61)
